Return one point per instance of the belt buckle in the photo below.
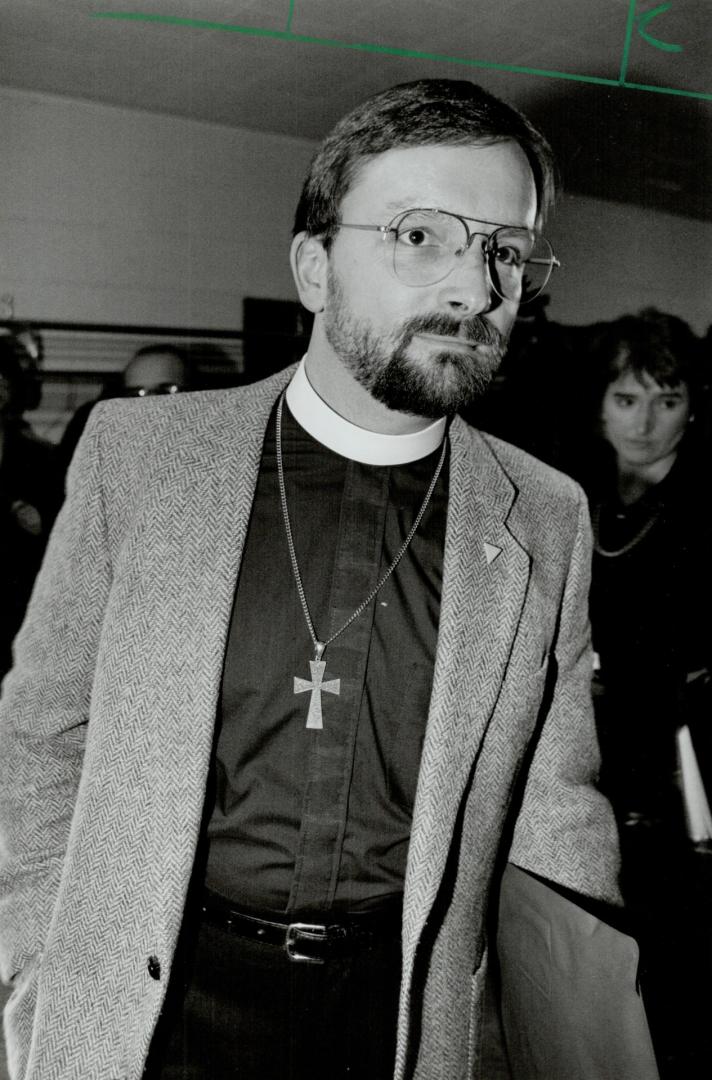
(313, 931)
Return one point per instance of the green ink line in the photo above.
(667, 90)
(628, 39)
(387, 50)
(643, 22)
(288, 27)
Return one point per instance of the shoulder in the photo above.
(137, 435)
(129, 445)
(179, 418)
(533, 481)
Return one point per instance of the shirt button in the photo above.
(154, 967)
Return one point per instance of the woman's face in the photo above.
(643, 421)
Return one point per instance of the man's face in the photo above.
(643, 421)
(432, 349)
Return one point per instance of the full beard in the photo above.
(446, 382)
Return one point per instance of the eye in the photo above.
(624, 401)
(418, 236)
(427, 229)
(507, 255)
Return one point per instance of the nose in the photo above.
(644, 419)
(467, 289)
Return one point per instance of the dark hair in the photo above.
(653, 343)
(428, 112)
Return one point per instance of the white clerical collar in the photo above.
(338, 434)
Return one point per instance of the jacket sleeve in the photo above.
(44, 710)
(565, 830)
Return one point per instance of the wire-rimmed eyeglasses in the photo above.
(150, 391)
(427, 244)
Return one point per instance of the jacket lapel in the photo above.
(485, 577)
(204, 502)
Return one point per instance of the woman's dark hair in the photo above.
(661, 346)
(428, 112)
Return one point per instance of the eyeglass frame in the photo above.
(464, 218)
(166, 388)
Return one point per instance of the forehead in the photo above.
(155, 366)
(490, 182)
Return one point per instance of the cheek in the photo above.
(504, 317)
(673, 428)
(612, 422)
(371, 297)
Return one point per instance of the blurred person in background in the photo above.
(650, 596)
(29, 495)
(646, 475)
(157, 369)
(153, 369)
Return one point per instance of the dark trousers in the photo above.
(243, 1009)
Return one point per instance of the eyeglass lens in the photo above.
(428, 244)
(149, 391)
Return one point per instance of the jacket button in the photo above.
(154, 967)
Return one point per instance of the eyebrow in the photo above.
(672, 393)
(401, 207)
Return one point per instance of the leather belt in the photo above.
(306, 940)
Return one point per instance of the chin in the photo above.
(432, 390)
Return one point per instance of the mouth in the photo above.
(449, 341)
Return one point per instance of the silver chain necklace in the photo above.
(317, 666)
(634, 540)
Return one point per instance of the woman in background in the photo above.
(650, 599)
(647, 477)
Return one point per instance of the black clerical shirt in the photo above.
(312, 820)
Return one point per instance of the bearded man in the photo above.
(299, 738)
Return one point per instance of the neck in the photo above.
(634, 480)
(335, 384)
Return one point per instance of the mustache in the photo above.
(474, 330)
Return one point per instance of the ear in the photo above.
(309, 262)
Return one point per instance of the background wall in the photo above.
(121, 216)
(618, 258)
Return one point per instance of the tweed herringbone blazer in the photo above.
(106, 730)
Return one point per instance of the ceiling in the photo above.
(294, 66)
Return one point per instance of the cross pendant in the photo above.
(316, 686)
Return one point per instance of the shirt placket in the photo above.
(330, 761)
